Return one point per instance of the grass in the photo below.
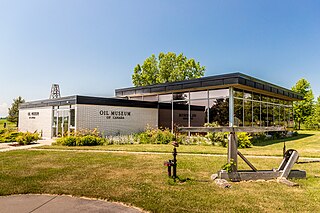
(141, 180)
(307, 143)
(10, 125)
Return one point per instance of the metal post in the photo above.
(174, 163)
(189, 114)
(208, 107)
(231, 107)
(172, 113)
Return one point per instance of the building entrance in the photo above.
(61, 122)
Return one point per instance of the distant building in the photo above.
(230, 100)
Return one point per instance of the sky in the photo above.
(90, 47)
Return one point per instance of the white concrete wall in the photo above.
(36, 119)
(101, 117)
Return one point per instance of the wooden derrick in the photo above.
(283, 172)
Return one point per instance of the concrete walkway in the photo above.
(4, 147)
(55, 203)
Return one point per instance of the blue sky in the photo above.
(91, 47)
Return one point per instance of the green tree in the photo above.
(304, 108)
(13, 112)
(168, 67)
(314, 120)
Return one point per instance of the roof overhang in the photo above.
(236, 80)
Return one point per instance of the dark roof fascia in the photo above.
(115, 102)
(77, 99)
(224, 80)
(68, 100)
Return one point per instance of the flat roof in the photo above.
(236, 80)
(78, 99)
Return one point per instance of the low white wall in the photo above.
(114, 120)
(36, 119)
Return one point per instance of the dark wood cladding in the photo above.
(221, 81)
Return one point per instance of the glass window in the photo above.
(221, 93)
(72, 117)
(165, 115)
(265, 98)
(199, 95)
(290, 117)
(283, 117)
(150, 98)
(247, 113)
(181, 96)
(264, 114)
(238, 112)
(270, 114)
(276, 115)
(219, 111)
(180, 114)
(165, 98)
(247, 95)
(256, 113)
(198, 112)
(238, 93)
(256, 97)
(136, 98)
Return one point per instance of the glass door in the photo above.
(61, 122)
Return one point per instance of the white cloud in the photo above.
(3, 109)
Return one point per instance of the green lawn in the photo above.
(141, 180)
(307, 143)
(10, 125)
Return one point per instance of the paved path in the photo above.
(57, 204)
(4, 147)
(167, 153)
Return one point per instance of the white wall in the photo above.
(95, 116)
(36, 119)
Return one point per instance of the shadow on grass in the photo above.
(270, 142)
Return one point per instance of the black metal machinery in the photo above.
(172, 164)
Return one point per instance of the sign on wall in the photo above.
(115, 114)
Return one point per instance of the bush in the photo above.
(244, 140)
(217, 138)
(27, 138)
(87, 140)
(154, 136)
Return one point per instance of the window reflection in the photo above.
(195, 109)
(221, 93)
(219, 111)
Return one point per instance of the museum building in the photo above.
(232, 99)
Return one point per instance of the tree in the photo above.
(168, 67)
(303, 109)
(14, 110)
(314, 120)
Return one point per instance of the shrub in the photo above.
(198, 140)
(154, 136)
(67, 141)
(217, 138)
(87, 140)
(27, 138)
(244, 140)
